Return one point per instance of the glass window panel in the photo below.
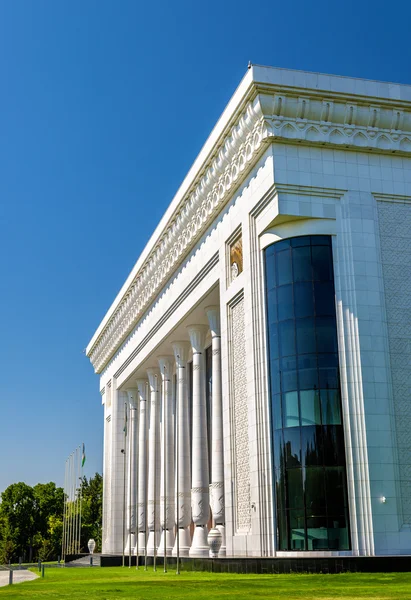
(303, 299)
(292, 447)
(279, 449)
(278, 246)
(326, 331)
(320, 240)
(314, 487)
(282, 530)
(284, 273)
(285, 302)
(308, 372)
(277, 412)
(311, 445)
(329, 377)
(272, 310)
(305, 336)
(300, 241)
(338, 535)
(274, 377)
(335, 489)
(317, 533)
(302, 264)
(273, 340)
(333, 439)
(324, 298)
(290, 409)
(297, 530)
(270, 273)
(321, 263)
(287, 338)
(280, 484)
(289, 381)
(269, 252)
(295, 488)
(310, 407)
(330, 407)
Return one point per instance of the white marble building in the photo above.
(300, 169)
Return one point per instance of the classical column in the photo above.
(131, 456)
(142, 467)
(153, 504)
(183, 491)
(199, 473)
(217, 454)
(167, 518)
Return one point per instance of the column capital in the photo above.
(197, 335)
(154, 379)
(181, 350)
(166, 366)
(213, 316)
(132, 397)
(142, 388)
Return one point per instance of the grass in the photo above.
(120, 583)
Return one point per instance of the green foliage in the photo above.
(92, 511)
(31, 519)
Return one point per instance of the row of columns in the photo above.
(164, 495)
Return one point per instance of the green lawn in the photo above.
(118, 583)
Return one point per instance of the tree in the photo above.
(18, 507)
(92, 510)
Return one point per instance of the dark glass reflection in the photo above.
(308, 440)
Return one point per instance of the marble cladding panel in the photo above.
(240, 418)
(395, 233)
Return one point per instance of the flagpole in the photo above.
(64, 514)
(78, 498)
(129, 483)
(69, 505)
(146, 492)
(83, 460)
(155, 476)
(136, 432)
(177, 430)
(75, 501)
(165, 405)
(124, 480)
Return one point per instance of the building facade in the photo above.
(255, 368)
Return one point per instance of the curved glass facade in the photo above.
(306, 416)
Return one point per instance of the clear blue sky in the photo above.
(103, 107)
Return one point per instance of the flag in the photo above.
(83, 456)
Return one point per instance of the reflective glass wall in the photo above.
(308, 437)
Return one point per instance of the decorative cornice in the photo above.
(273, 113)
(223, 173)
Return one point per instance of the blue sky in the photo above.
(104, 106)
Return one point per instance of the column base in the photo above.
(152, 543)
(184, 542)
(169, 537)
(199, 545)
(223, 549)
(141, 543)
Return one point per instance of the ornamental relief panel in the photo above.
(395, 234)
(239, 409)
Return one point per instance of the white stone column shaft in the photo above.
(199, 478)
(153, 502)
(183, 477)
(217, 449)
(141, 511)
(132, 469)
(167, 500)
(114, 543)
